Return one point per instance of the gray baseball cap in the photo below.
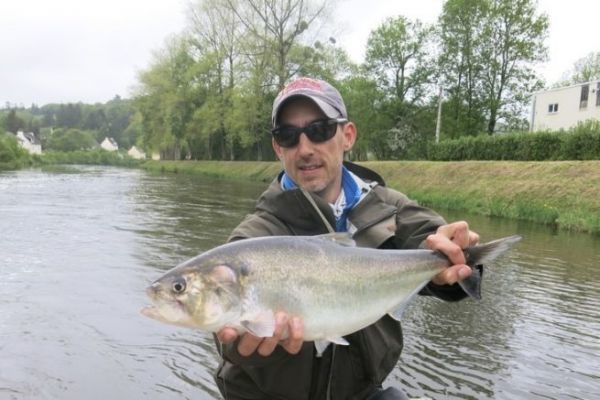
(325, 96)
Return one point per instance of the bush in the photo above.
(93, 157)
(11, 154)
(579, 143)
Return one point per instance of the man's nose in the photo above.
(305, 146)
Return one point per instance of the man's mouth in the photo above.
(310, 167)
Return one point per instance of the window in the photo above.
(598, 94)
(553, 108)
(585, 91)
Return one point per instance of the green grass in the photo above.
(565, 194)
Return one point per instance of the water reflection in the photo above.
(83, 246)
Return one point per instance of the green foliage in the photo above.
(12, 156)
(94, 157)
(489, 50)
(579, 143)
(583, 142)
(70, 140)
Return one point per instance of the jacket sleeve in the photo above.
(413, 224)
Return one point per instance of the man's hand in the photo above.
(249, 343)
(450, 240)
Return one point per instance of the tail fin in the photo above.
(478, 255)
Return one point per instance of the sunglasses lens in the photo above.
(321, 131)
(287, 136)
(317, 132)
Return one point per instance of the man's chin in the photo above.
(313, 186)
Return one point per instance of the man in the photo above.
(317, 193)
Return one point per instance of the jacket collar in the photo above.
(294, 209)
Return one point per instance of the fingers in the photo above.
(248, 344)
(265, 346)
(268, 344)
(227, 335)
(473, 238)
(452, 275)
(293, 343)
(450, 240)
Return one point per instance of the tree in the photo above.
(397, 57)
(13, 122)
(276, 26)
(496, 44)
(164, 99)
(585, 69)
(517, 34)
(460, 33)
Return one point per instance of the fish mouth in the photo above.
(164, 310)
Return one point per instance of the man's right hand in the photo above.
(264, 346)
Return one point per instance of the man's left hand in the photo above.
(450, 240)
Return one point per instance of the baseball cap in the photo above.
(325, 96)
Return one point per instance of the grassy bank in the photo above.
(562, 193)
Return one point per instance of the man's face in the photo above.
(317, 167)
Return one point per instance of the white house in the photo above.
(136, 153)
(29, 142)
(564, 107)
(109, 144)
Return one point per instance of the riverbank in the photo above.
(565, 194)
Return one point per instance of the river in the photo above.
(79, 244)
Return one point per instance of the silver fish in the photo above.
(334, 286)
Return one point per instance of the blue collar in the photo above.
(351, 191)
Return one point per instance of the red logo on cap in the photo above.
(302, 83)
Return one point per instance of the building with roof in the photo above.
(565, 107)
(30, 142)
(109, 144)
(136, 153)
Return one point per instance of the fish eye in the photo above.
(179, 286)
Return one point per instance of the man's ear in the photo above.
(276, 148)
(349, 133)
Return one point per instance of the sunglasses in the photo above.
(317, 132)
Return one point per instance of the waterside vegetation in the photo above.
(563, 194)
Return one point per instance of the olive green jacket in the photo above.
(383, 219)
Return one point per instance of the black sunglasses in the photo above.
(317, 132)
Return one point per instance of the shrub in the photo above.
(579, 143)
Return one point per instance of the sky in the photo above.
(63, 51)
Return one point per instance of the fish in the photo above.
(335, 287)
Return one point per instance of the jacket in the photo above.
(383, 219)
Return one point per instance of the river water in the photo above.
(78, 246)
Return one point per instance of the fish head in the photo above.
(207, 298)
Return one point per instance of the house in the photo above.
(136, 153)
(30, 142)
(564, 107)
(109, 144)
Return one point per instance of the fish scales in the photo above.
(334, 287)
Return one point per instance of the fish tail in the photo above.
(481, 254)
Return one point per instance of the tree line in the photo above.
(72, 126)
(208, 92)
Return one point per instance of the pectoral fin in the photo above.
(261, 324)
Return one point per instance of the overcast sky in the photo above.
(54, 51)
